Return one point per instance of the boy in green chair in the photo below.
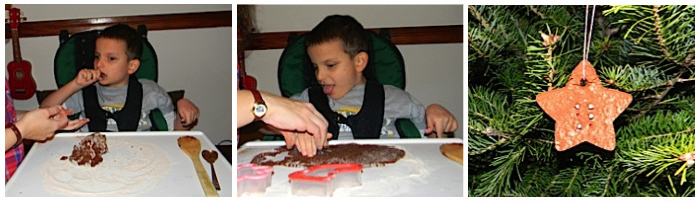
(111, 97)
(357, 107)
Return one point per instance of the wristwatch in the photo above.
(259, 106)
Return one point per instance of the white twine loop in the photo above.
(587, 34)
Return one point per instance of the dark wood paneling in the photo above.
(152, 22)
(399, 36)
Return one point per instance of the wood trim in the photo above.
(399, 36)
(152, 22)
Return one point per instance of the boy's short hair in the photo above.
(340, 27)
(123, 32)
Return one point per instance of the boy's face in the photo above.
(112, 62)
(335, 70)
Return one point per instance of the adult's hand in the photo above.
(41, 124)
(296, 116)
(304, 142)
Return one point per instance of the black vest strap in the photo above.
(320, 102)
(127, 118)
(366, 124)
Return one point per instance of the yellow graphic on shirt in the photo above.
(349, 111)
(112, 108)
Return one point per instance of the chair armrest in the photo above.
(407, 129)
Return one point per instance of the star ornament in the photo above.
(584, 111)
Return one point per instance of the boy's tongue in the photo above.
(328, 89)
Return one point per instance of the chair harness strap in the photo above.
(366, 124)
(127, 118)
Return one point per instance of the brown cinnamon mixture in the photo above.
(89, 150)
(366, 154)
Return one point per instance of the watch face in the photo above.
(259, 110)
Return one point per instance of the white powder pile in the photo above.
(391, 180)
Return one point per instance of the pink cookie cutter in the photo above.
(322, 180)
(253, 179)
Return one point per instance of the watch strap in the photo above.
(18, 134)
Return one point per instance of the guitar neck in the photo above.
(15, 46)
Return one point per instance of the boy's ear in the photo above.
(361, 61)
(134, 65)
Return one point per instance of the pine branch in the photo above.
(667, 134)
(569, 186)
(541, 140)
(660, 37)
(635, 79)
(500, 138)
(497, 181)
(660, 96)
(534, 10)
(476, 14)
(690, 58)
(541, 67)
(492, 147)
(483, 116)
(680, 102)
(652, 146)
(478, 51)
(607, 183)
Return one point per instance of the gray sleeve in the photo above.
(303, 96)
(406, 106)
(417, 113)
(75, 102)
(157, 97)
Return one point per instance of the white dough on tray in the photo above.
(130, 168)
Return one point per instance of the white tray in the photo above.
(424, 171)
(180, 181)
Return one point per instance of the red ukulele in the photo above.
(22, 85)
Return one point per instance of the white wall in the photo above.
(433, 72)
(198, 61)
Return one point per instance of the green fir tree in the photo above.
(517, 52)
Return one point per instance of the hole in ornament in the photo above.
(583, 82)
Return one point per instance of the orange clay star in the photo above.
(584, 113)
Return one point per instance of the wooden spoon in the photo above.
(453, 151)
(191, 146)
(210, 156)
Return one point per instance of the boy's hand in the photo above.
(87, 76)
(188, 112)
(72, 124)
(439, 120)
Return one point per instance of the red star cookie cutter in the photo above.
(322, 180)
(253, 179)
(584, 110)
